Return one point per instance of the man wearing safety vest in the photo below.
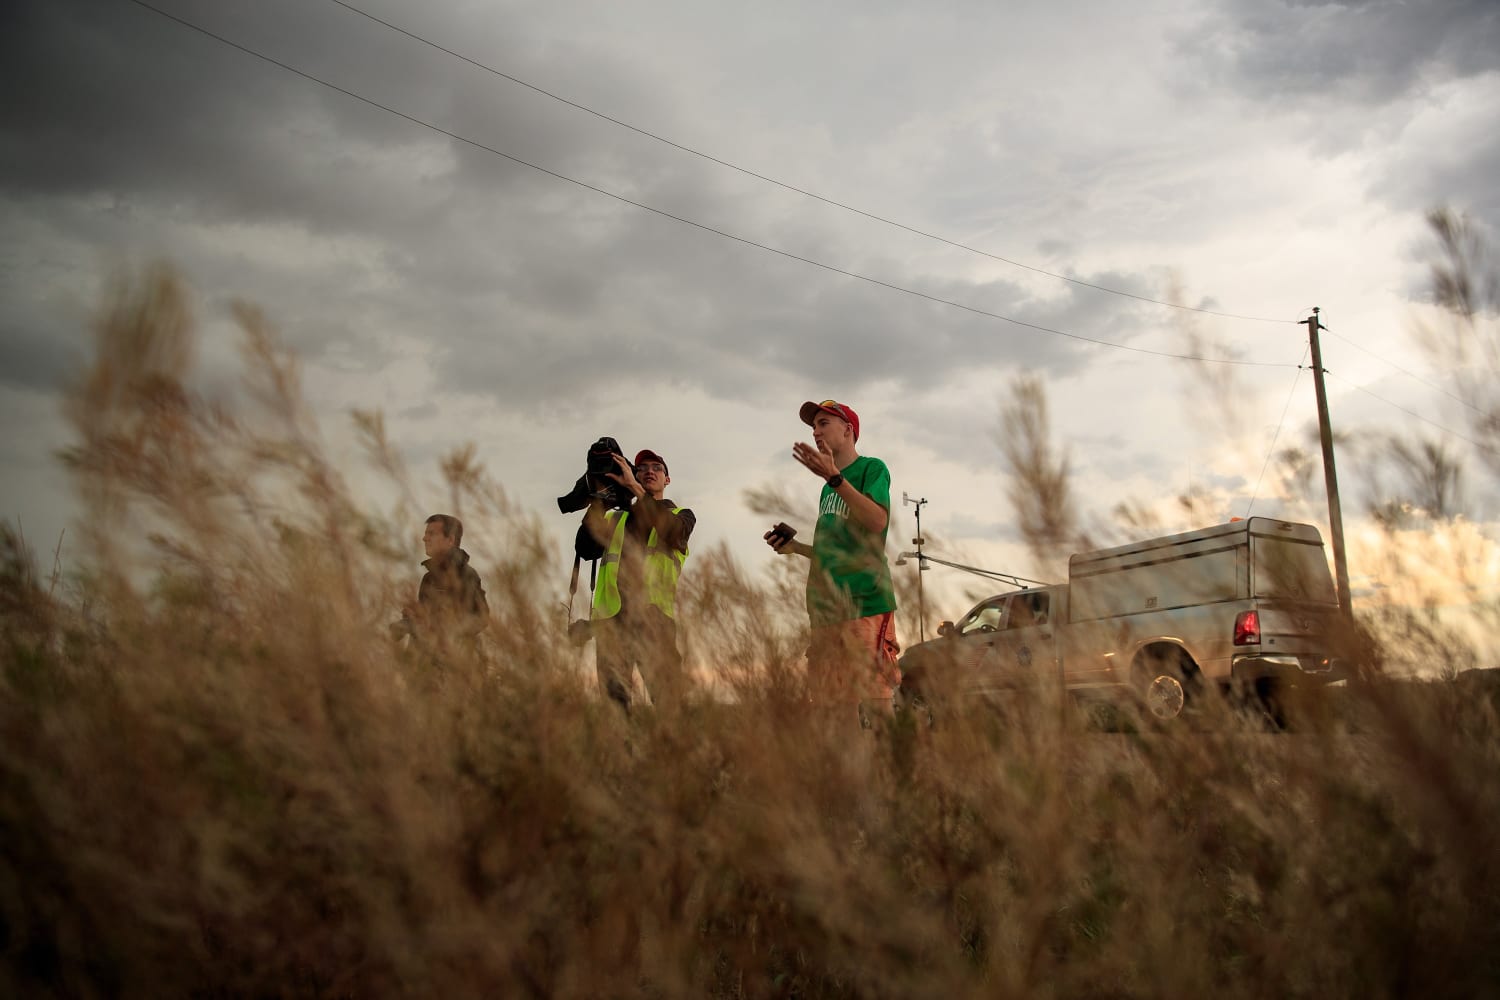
(641, 551)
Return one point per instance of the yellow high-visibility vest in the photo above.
(663, 565)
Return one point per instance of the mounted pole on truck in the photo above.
(1330, 476)
(919, 541)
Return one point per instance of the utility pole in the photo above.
(921, 564)
(1330, 476)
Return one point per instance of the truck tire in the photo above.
(1165, 679)
(911, 701)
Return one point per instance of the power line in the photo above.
(684, 220)
(1271, 450)
(1409, 413)
(1408, 374)
(792, 187)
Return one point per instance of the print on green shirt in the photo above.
(850, 577)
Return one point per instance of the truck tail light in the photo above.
(1247, 628)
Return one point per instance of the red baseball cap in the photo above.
(647, 455)
(810, 411)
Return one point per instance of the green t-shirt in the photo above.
(850, 577)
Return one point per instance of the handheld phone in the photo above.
(783, 531)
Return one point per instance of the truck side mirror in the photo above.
(946, 629)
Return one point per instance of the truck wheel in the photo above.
(1165, 684)
(911, 702)
(1269, 698)
(1165, 696)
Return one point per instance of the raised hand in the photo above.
(819, 459)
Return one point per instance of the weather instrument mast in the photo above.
(906, 500)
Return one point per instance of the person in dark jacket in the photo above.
(451, 608)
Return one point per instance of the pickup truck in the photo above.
(1245, 605)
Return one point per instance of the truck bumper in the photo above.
(1253, 667)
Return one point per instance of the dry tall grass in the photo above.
(218, 777)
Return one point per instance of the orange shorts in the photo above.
(854, 660)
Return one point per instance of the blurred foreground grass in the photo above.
(217, 776)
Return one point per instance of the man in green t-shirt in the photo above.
(851, 603)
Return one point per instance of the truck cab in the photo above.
(1002, 641)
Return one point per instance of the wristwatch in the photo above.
(836, 480)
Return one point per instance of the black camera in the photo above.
(594, 484)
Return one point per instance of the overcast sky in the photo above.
(1248, 157)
